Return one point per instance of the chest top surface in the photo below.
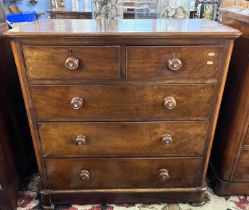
(139, 27)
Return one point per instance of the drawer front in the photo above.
(242, 171)
(123, 139)
(123, 102)
(122, 173)
(157, 63)
(84, 63)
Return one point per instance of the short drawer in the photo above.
(123, 102)
(86, 63)
(123, 139)
(116, 173)
(242, 170)
(177, 63)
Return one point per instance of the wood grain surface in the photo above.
(122, 173)
(194, 28)
(198, 62)
(126, 139)
(94, 62)
(231, 134)
(123, 102)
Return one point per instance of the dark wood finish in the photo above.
(198, 62)
(126, 196)
(126, 139)
(115, 110)
(8, 175)
(13, 111)
(230, 154)
(120, 173)
(241, 173)
(15, 143)
(224, 188)
(62, 13)
(123, 32)
(94, 62)
(236, 20)
(86, 13)
(122, 102)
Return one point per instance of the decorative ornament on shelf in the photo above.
(13, 8)
(107, 9)
(34, 2)
(61, 3)
(207, 9)
(55, 4)
(174, 9)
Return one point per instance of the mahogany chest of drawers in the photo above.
(231, 152)
(122, 111)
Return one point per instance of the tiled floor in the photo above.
(28, 201)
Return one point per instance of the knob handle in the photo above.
(84, 175)
(77, 103)
(174, 64)
(163, 175)
(169, 102)
(167, 139)
(80, 140)
(72, 63)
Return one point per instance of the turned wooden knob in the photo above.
(174, 64)
(80, 140)
(169, 102)
(72, 63)
(84, 175)
(163, 175)
(166, 139)
(76, 103)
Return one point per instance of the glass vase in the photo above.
(178, 9)
(107, 9)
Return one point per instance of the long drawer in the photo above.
(123, 139)
(171, 62)
(86, 63)
(90, 173)
(123, 102)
